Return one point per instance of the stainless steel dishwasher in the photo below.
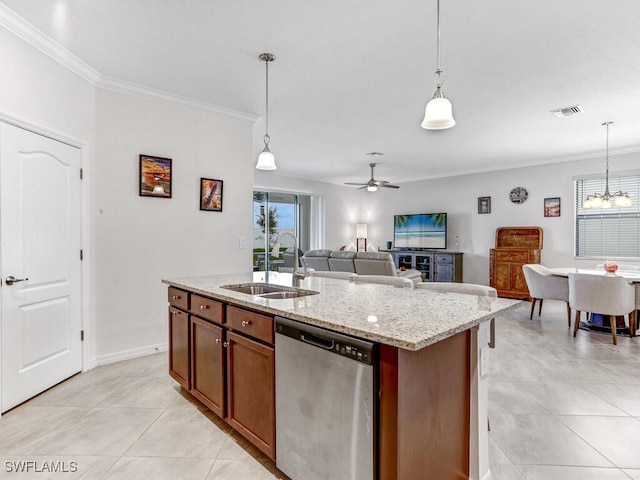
(325, 404)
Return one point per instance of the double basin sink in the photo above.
(266, 290)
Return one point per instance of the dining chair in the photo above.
(543, 284)
(398, 282)
(604, 294)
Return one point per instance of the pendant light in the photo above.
(438, 114)
(606, 200)
(266, 159)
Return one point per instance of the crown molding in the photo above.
(17, 25)
(21, 28)
(129, 88)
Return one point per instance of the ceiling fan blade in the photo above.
(351, 183)
(388, 185)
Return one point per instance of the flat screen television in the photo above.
(420, 231)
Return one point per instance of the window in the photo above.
(608, 232)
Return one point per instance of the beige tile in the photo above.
(236, 447)
(224, 469)
(505, 472)
(511, 397)
(617, 438)
(145, 468)
(81, 391)
(625, 397)
(542, 439)
(22, 428)
(570, 399)
(48, 467)
(496, 455)
(102, 431)
(547, 472)
(180, 432)
(143, 392)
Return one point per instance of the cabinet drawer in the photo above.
(514, 256)
(178, 298)
(250, 323)
(207, 308)
(444, 259)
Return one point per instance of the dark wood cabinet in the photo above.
(251, 391)
(179, 346)
(208, 364)
(515, 247)
(224, 356)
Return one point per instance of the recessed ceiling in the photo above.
(352, 77)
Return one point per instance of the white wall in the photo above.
(140, 240)
(458, 197)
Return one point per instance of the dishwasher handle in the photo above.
(317, 340)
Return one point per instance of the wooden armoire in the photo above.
(515, 246)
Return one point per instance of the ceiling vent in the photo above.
(567, 111)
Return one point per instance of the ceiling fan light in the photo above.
(438, 115)
(372, 188)
(266, 160)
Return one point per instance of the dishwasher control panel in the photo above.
(337, 343)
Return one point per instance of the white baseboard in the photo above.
(129, 354)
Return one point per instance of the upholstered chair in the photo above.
(606, 294)
(399, 282)
(542, 284)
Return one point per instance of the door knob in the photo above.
(11, 280)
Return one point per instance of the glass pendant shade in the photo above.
(266, 160)
(438, 114)
(622, 200)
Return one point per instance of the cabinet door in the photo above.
(179, 346)
(424, 263)
(251, 391)
(405, 260)
(207, 364)
(444, 272)
(501, 276)
(518, 282)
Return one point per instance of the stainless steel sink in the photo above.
(269, 291)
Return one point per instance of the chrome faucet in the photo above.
(275, 252)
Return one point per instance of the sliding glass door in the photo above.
(274, 213)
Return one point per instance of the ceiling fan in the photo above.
(373, 184)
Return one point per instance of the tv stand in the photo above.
(435, 265)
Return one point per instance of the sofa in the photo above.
(361, 263)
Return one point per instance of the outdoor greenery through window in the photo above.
(608, 232)
(274, 213)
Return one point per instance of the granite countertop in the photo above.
(401, 317)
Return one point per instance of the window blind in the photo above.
(608, 232)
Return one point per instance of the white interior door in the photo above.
(40, 242)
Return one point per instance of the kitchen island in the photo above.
(432, 420)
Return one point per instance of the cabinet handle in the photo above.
(175, 312)
(175, 297)
(204, 307)
(225, 344)
(245, 323)
(218, 340)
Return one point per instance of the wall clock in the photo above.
(518, 195)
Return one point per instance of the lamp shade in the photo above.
(438, 114)
(361, 230)
(266, 160)
(372, 188)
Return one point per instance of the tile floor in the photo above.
(560, 409)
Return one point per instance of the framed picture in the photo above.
(552, 207)
(210, 195)
(484, 204)
(155, 176)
